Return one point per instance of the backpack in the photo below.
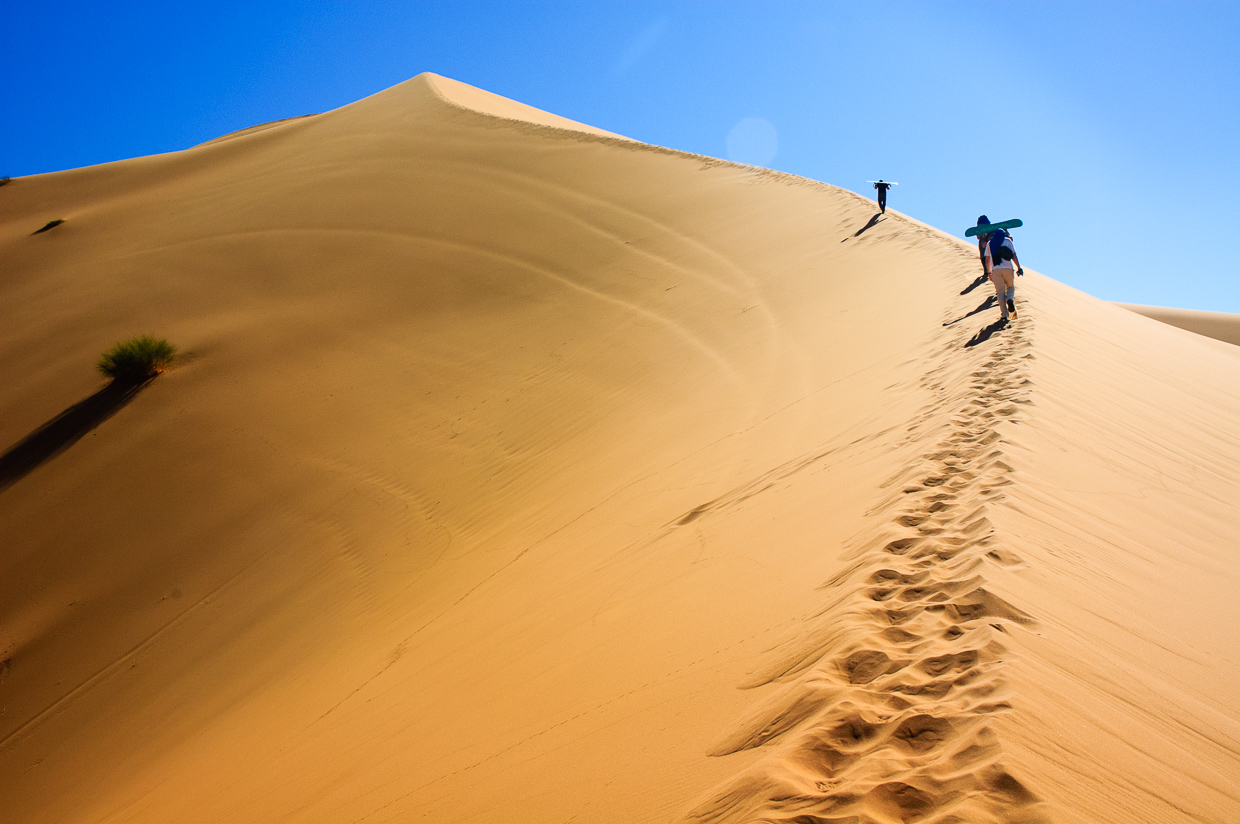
(999, 252)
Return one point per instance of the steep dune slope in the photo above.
(519, 471)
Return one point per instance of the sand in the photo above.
(1223, 326)
(518, 471)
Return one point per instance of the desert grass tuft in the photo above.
(4, 180)
(137, 359)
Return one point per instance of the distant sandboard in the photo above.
(987, 228)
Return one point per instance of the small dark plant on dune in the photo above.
(137, 359)
(4, 180)
(51, 224)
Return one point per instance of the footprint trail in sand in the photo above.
(887, 699)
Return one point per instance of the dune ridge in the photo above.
(261, 127)
(481, 101)
(1221, 326)
(520, 471)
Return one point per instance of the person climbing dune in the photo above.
(1002, 266)
(882, 186)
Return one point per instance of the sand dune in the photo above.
(1222, 326)
(518, 471)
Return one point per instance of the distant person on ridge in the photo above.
(882, 187)
(1002, 266)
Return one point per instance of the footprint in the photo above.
(928, 689)
(896, 635)
(816, 754)
(901, 546)
(979, 525)
(1004, 557)
(942, 553)
(865, 665)
(922, 733)
(982, 604)
(1007, 788)
(889, 576)
(900, 801)
(895, 617)
(854, 732)
(940, 664)
(984, 746)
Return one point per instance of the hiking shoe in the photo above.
(1012, 307)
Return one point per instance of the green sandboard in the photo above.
(987, 228)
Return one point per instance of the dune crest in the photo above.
(527, 473)
(479, 100)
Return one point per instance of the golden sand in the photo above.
(520, 472)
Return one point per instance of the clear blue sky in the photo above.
(1112, 129)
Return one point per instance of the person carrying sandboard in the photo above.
(1002, 266)
(882, 186)
(983, 231)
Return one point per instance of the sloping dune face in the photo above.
(515, 471)
(1222, 326)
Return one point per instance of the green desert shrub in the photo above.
(137, 359)
(4, 180)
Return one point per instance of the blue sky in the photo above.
(1112, 129)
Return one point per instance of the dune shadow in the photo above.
(985, 332)
(988, 303)
(980, 280)
(64, 430)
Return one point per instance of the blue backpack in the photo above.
(999, 252)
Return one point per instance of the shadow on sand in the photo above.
(64, 430)
(980, 280)
(989, 303)
(985, 332)
(878, 216)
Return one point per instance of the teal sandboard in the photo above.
(987, 228)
